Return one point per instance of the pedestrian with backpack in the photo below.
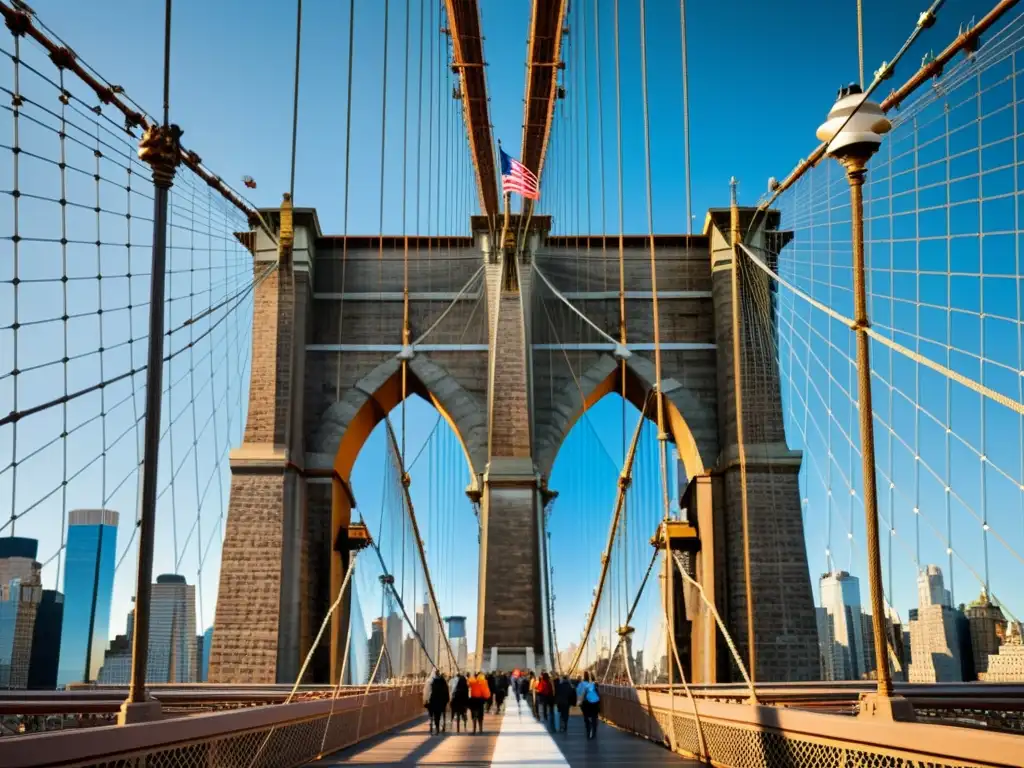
(565, 699)
(437, 701)
(460, 701)
(590, 703)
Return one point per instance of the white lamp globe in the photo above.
(863, 133)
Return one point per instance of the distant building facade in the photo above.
(840, 627)
(20, 594)
(117, 659)
(374, 648)
(42, 670)
(207, 644)
(117, 662)
(172, 631)
(1007, 666)
(988, 630)
(934, 636)
(457, 639)
(88, 589)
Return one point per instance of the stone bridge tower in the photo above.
(327, 357)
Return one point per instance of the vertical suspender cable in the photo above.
(348, 155)
(383, 146)
(600, 143)
(737, 371)
(295, 100)
(860, 39)
(662, 435)
(622, 255)
(686, 118)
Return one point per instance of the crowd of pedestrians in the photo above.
(550, 699)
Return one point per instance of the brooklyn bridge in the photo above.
(756, 469)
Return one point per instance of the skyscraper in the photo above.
(42, 669)
(1007, 666)
(933, 632)
(840, 627)
(393, 639)
(117, 660)
(457, 638)
(88, 588)
(374, 648)
(988, 630)
(207, 644)
(172, 631)
(20, 593)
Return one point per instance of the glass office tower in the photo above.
(88, 589)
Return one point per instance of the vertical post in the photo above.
(855, 169)
(160, 147)
(741, 452)
(508, 217)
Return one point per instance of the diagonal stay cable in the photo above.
(572, 306)
(624, 480)
(238, 298)
(404, 479)
(959, 378)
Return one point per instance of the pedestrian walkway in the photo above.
(514, 738)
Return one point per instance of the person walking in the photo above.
(479, 693)
(500, 691)
(545, 697)
(590, 703)
(516, 677)
(565, 699)
(524, 689)
(533, 694)
(492, 683)
(459, 701)
(437, 701)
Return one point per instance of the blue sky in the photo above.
(761, 80)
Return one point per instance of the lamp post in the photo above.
(854, 130)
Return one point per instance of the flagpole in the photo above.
(504, 229)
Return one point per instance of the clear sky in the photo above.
(761, 76)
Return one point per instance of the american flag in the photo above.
(516, 177)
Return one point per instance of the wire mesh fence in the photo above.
(75, 277)
(944, 290)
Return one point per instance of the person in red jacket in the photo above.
(479, 693)
(545, 697)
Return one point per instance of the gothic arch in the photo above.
(346, 424)
(692, 423)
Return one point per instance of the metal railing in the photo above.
(278, 736)
(738, 735)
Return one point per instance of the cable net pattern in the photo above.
(942, 231)
(77, 232)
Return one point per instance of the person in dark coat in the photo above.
(437, 703)
(460, 701)
(565, 699)
(492, 683)
(500, 691)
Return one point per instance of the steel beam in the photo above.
(468, 56)
(542, 59)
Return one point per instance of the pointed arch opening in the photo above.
(444, 442)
